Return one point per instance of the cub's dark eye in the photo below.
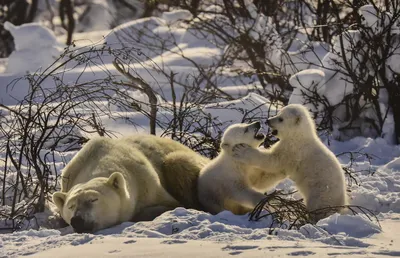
(246, 130)
(71, 207)
(280, 119)
(94, 200)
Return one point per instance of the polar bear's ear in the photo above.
(117, 181)
(59, 199)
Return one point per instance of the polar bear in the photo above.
(229, 184)
(110, 181)
(302, 156)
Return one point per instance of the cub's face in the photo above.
(243, 133)
(91, 206)
(288, 121)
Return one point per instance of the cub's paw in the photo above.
(242, 152)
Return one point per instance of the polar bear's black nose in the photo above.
(78, 223)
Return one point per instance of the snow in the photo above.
(307, 82)
(354, 226)
(374, 20)
(334, 83)
(252, 106)
(174, 234)
(185, 232)
(30, 34)
(98, 8)
(177, 15)
(36, 47)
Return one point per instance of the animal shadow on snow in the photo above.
(238, 249)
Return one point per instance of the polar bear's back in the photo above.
(101, 157)
(153, 147)
(177, 166)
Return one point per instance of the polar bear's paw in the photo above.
(243, 152)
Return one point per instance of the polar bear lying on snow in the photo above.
(235, 185)
(137, 177)
(301, 156)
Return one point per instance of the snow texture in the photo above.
(183, 232)
(332, 83)
(36, 47)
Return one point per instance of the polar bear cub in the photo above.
(302, 156)
(229, 184)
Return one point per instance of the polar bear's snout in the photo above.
(255, 127)
(271, 122)
(82, 220)
(80, 225)
(243, 133)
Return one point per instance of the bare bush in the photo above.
(358, 91)
(288, 213)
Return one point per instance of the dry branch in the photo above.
(142, 86)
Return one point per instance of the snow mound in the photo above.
(308, 79)
(392, 165)
(28, 35)
(325, 92)
(37, 233)
(186, 224)
(225, 226)
(176, 15)
(149, 37)
(355, 226)
(374, 19)
(35, 47)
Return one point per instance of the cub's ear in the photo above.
(59, 199)
(117, 181)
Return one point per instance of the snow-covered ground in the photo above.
(193, 233)
(185, 233)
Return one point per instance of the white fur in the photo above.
(228, 184)
(111, 181)
(302, 156)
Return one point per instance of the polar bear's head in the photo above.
(293, 121)
(242, 133)
(93, 205)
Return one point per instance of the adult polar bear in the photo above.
(302, 156)
(229, 184)
(136, 177)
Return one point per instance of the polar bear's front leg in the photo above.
(253, 157)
